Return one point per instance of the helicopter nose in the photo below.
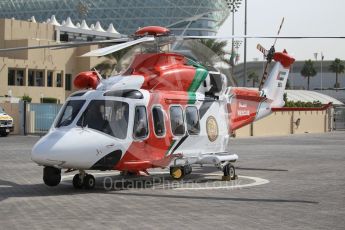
(40, 152)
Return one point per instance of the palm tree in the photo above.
(337, 67)
(218, 47)
(308, 70)
(254, 77)
(107, 66)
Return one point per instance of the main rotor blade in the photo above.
(114, 48)
(263, 37)
(66, 45)
(280, 28)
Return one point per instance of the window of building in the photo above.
(58, 80)
(50, 78)
(177, 121)
(11, 77)
(31, 77)
(40, 78)
(16, 77)
(158, 121)
(140, 127)
(20, 80)
(68, 82)
(192, 119)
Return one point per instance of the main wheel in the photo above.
(229, 172)
(89, 182)
(188, 169)
(77, 182)
(51, 176)
(177, 172)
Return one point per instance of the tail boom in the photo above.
(248, 105)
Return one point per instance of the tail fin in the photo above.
(275, 84)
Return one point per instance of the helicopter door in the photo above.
(140, 127)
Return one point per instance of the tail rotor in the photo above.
(268, 54)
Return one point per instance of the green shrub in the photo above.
(26, 98)
(301, 104)
(49, 100)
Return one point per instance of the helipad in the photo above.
(283, 183)
(162, 180)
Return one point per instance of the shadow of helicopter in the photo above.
(9, 189)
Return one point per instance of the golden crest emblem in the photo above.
(212, 128)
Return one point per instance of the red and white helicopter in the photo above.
(164, 110)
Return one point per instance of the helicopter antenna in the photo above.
(268, 54)
(98, 74)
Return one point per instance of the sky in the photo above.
(302, 18)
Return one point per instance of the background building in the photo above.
(297, 81)
(199, 17)
(38, 73)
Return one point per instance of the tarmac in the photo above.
(292, 182)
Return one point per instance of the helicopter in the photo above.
(165, 110)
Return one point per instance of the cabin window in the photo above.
(192, 119)
(177, 122)
(110, 117)
(158, 121)
(69, 113)
(140, 128)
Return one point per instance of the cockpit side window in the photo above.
(69, 113)
(140, 127)
(110, 117)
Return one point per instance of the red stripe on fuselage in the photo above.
(151, 152)
(243, 107)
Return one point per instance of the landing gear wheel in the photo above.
(229, 172)
(77, 182)
(51, 176)
(177, 173)
(188, 169)
(89, 182)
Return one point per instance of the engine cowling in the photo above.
(86, 80)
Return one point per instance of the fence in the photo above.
(39, 117)
(339, 118)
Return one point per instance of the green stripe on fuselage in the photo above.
(191, 98)
(199, 77)
(170, 147)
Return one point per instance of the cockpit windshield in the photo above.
(110, 117)
(69, 113)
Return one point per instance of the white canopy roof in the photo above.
(310, 96)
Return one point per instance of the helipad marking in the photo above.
(5, 186)
(233, 184)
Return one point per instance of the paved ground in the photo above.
(306, 191)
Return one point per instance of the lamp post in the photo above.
(315, 56)
(245, 46)
(322, 57)
(233, 5)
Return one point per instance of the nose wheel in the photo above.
(51, 176)
(83, 180)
